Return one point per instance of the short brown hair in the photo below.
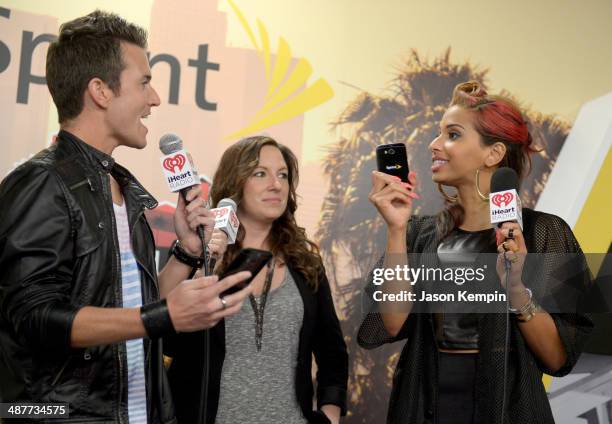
(88, 47)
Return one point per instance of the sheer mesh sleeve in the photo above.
(564, 279)
(372, 332)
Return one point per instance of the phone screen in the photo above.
(392, 159)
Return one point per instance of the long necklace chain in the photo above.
(258, 308)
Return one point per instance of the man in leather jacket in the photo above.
(65, 329)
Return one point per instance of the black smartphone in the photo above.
(248, 259)
(393, 160)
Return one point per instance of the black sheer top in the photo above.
(414, 389)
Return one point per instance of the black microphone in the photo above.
(180, 172)
(505, 206)
(504, 201)
(181, 175)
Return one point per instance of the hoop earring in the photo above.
(450, 199)
(482, 196)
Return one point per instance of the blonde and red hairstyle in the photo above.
(497, 119)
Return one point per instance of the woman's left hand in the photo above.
(511, 244)
(218, 243)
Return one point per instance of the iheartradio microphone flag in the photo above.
(227, 221)
(179, 170)
(506, 206)
(504, 201)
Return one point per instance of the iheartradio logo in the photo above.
(179, 171)
(234, 220)
(505, 206)
(220, 212)
(177, 161)
(502, 199)
(227, 221)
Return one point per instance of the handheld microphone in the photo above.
(504, 201)
(179, 170)
(227, 221)
(505, 206)
(181, 176)
(177, 165)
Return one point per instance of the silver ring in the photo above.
(223, 302)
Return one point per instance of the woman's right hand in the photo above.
(393, 198)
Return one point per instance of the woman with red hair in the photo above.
(465, 365)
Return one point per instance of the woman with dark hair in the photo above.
(261, 358)
(468, 366)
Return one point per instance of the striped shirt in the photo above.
(132, 298)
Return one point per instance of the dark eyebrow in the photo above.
(454, 125)
(284, 168)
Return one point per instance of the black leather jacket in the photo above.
(58, 253)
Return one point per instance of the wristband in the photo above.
(156, 319)
(182, 256)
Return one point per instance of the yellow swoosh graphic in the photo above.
(245, 25)
(281, 64)
(265, 47)
(288, 94)
(314, 95)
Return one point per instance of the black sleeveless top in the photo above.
(460, 247)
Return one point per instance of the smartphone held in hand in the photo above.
(248, 259)
(393, 160)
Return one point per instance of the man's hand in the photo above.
(188, 217)
(195, 304)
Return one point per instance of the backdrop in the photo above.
(334, 79)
